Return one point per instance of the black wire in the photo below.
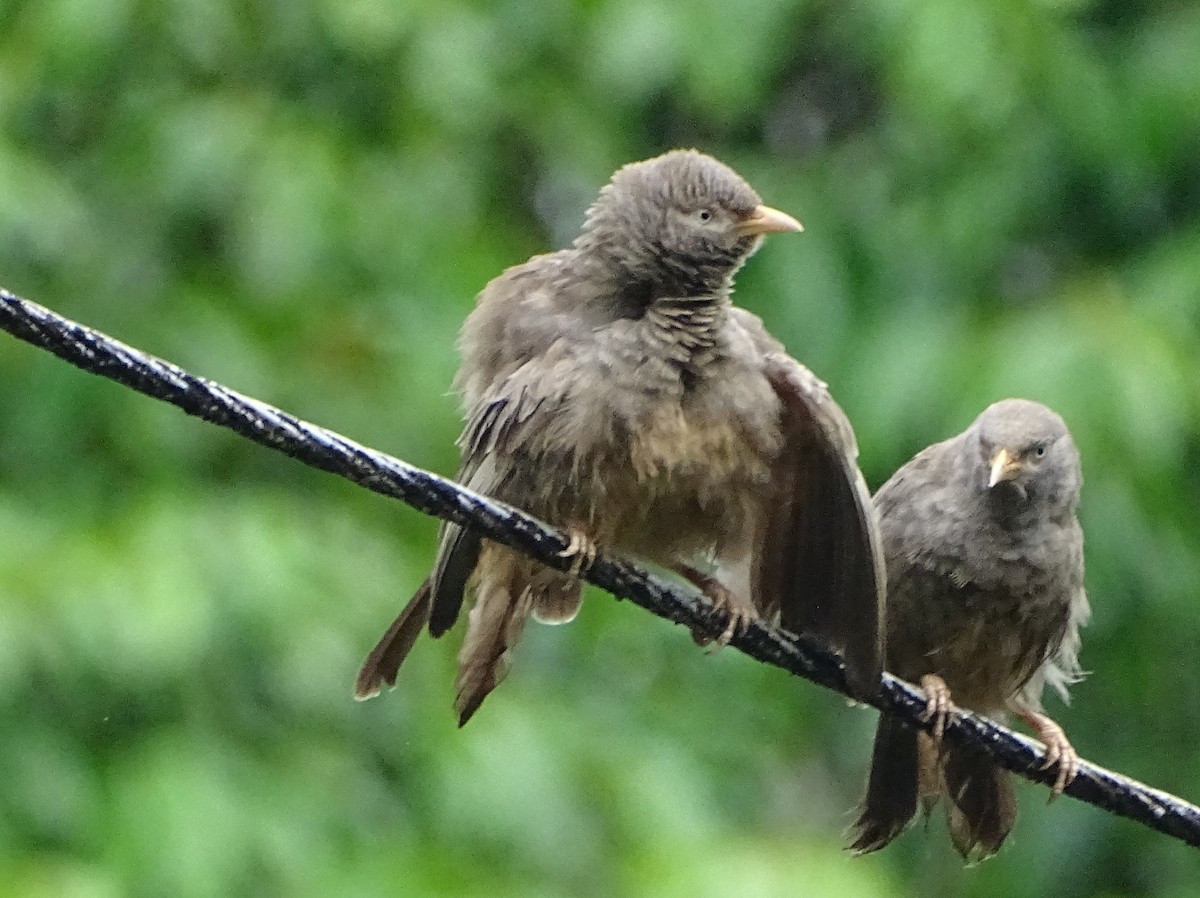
(94, 352)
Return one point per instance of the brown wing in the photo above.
(438, 600)
(492, 432)
(502, 424)
(820, 560)
(514, 365)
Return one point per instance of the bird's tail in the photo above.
(893, 787)
(981, 806)
(389, 653)
(504, 600)
(907, 771)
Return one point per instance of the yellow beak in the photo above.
(765, 220)
(1005, 466)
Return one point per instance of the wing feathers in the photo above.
(494, 430)
(820, 563)
(458, 553)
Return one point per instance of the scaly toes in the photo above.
(1063, 754)
(580, 549)
(739, 613)
(1053, 755)
(938, 705)
(738, 622)
(1059, 751)
(739, 617)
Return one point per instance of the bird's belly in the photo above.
(655, 466)
(671, 445)
(665, 484)
(991, 645)
(687, 483)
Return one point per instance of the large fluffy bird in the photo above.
(613, 390)
(985, 602)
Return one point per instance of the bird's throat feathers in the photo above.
(683, 317)
(688, 329)
(1007, 505)
(652, 272)
(1011, 506)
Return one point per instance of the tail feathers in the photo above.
(558, 601)
(981, 806)
(493, 628)
(383, 664)
(929, 773)
(892, 790)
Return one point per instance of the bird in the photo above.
(986, 598)
(613, 390)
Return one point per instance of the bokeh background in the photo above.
(300, 200)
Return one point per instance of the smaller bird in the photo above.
(984, 562)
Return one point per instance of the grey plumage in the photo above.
(612, 389)
(985, 598)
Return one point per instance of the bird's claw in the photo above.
(938, 706)
(1059, 751)
(724, 601)
(739, 620)
(740, 615)
(581, 550)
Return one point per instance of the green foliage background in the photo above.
(301, 199)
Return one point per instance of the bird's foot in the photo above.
(938, 706)
(722, 599)
(580, 549)
(1059, 750)
(739, 616)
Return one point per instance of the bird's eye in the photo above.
(704, 215)
(1039, 450)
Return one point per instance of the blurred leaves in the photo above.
(301, 200)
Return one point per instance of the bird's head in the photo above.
(1026, 455)
(682, 221)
